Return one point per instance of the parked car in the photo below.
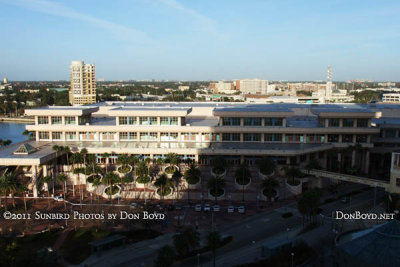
(241, 209)
(207, 207)
(178, 206)
(197, 207)
(231, 209)
(58, 198)
(133, 205)
(216, 208)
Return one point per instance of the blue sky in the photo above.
(201, 40)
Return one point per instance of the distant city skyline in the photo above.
(201, 40)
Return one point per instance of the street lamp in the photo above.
(292, 255)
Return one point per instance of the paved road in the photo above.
(249, 233)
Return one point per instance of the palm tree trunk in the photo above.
(5, 200)
(23, 196)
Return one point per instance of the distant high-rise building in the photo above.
(5, 80)
(328, 89)
(254, 86)
(83, 83)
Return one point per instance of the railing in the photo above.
(347, 178)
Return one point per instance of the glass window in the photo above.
(132, 120)
(333, 122)
(123, 120)
(144, 121)
(70, 135)
(273, 121)
(348, 122)
(56, 120)
(347, 138)
(83, 135)
(153, 120)
(333, 138)
(56, 135)
(174, 121)
(231, 121)
(362, 122)
(361, 138)
(123, 136)
(231, 137)
(164, 120)
(70, 120)
(252, 137)
(43, 135)
(252, 121)
(43, 120)
(390, 133)
(82, 120)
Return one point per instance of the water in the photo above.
(12, 131)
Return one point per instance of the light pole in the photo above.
(292, 255)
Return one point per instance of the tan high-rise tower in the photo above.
(83, 83)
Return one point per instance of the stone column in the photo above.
(34, 181)
(63, 120)
(117, 121)
(241, 121)
(353, 158)
(242, 159)
(284, 122)
(326, 123)
(196, 158)
(288, 160)
(44, 170)
(158, 121)
(241, 137)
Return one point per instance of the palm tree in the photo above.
(268, 186)
(84, 153)
(97, 183)
(110, 179)
(191, 175)
(76, 158)
(8, 184)
(292, 173)
(214, 241)
(186, 241)
(309, 203)
(124, 160)
(176, 179)
(172, 159)
(166, 256)
(22, 189)
(215, 184)
(243, 176)
(47, 180)
(106, 156)
(266, 165)
(219, 165)
(164, 184)
(63, 179)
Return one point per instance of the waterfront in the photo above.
(12, 131)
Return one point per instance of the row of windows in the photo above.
(335, 122)
(56, 120)
(148, 121)
(252, 121)
(230, 137)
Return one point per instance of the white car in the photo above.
(197, 207)
(216, 208)
(133, 205)
(207, 207)
(231, 209)
(58, 198)
(241, 209)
